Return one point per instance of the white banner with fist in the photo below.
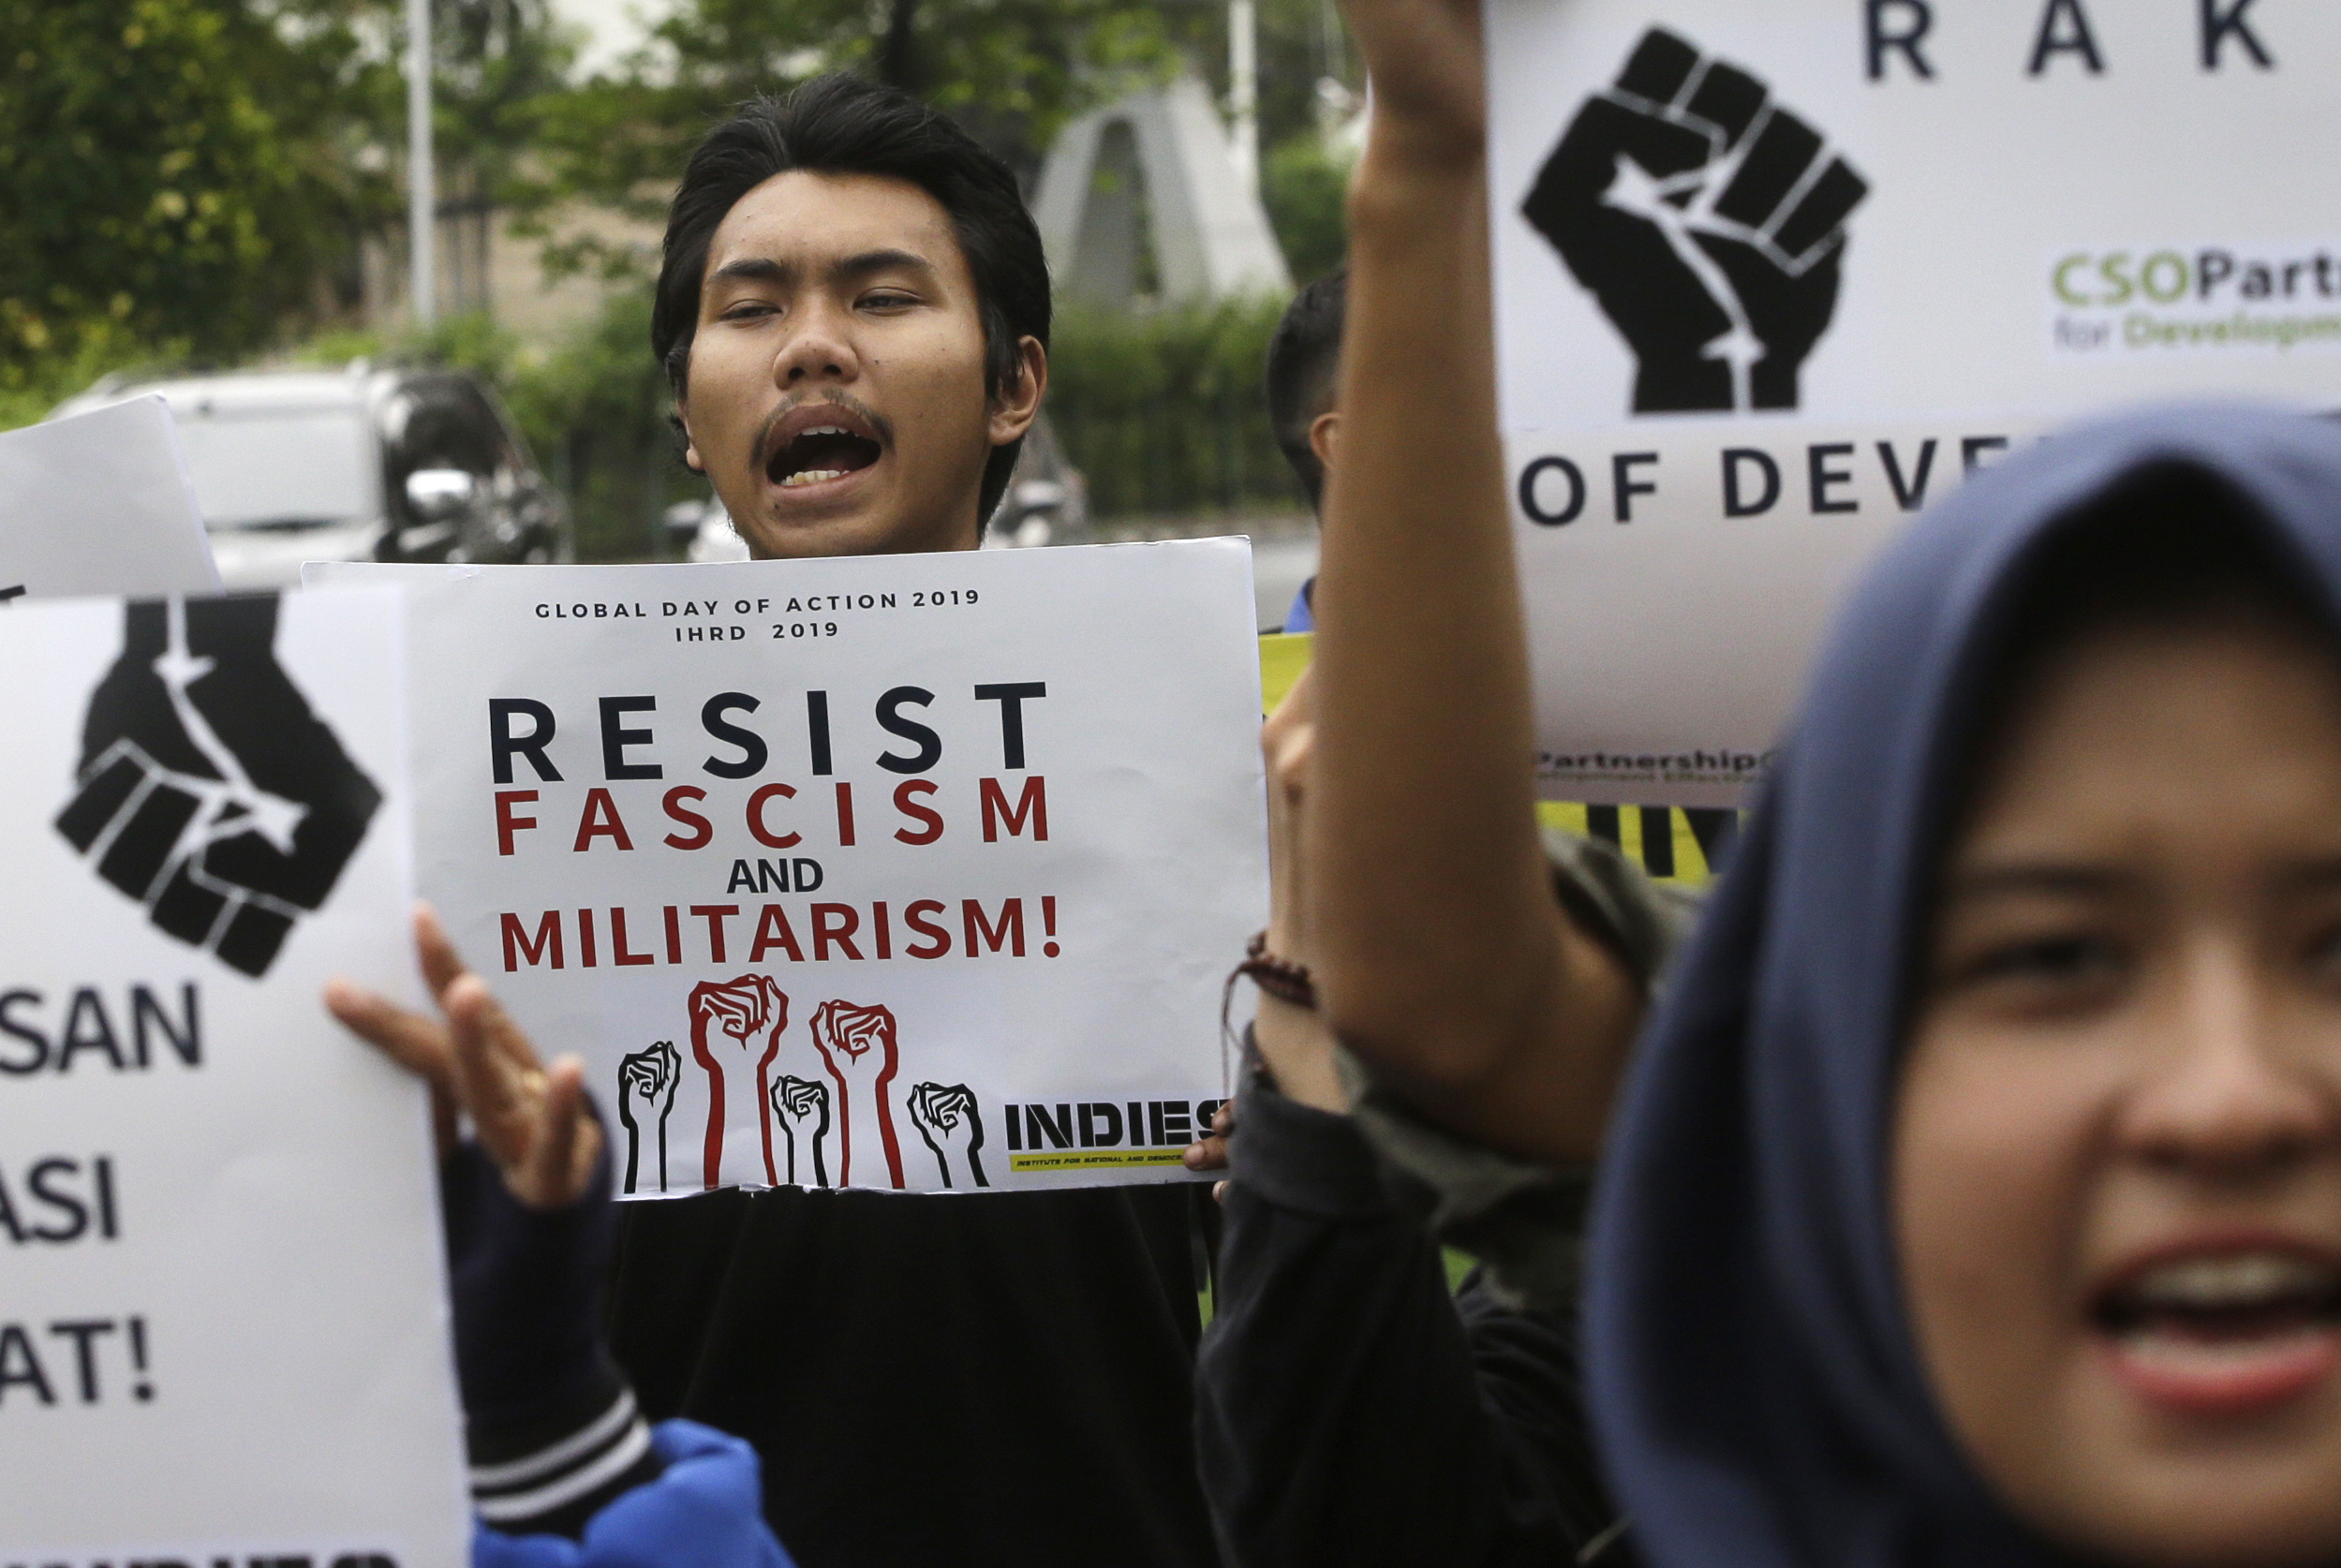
(1770, 277)
(224, 1332)
(919, 872)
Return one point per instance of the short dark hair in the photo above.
(841, 125)
(1304, 364)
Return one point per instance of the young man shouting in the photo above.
(853, 310)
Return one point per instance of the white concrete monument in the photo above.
(1144, 197)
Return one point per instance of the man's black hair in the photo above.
(1304, 361)
(841, 125)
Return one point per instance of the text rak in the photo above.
(2049, 39)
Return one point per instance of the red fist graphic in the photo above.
(751, 1005)
(857, 1047)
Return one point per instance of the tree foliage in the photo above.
(1011, 71)
(172, 168)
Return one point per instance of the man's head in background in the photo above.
(854, 312)
(1304, 373)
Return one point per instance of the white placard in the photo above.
(1769, 277)
(901, 871)
(224, 1329)
(100, 504)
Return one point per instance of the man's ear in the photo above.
(1325, 433)
(690, 448)
(1018, 404)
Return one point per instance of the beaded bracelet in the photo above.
(1281, 978)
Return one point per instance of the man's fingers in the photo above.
(417, 1043)
(560, 1158)
(496, 1074)
(435, 950)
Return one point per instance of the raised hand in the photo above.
(742, 1008)
(646, 1081)
(857, 1046)
(1706, 219)
(531, 1121)
(1424, 59)
(802, 1107)
(951, 1121)
(208, 791)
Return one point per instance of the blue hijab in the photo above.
(1754, 1382)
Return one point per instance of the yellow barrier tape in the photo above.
(1283, 654)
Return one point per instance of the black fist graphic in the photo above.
(209, 791)
(1707, 221)
(951, 1119)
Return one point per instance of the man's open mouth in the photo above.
(820, 452)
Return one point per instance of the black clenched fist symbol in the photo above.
(646, 1081)
(208, 791)
(948, 1119)
(802, 1108)
(1706, 219)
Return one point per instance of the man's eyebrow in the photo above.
(863, 263)
(751, 268)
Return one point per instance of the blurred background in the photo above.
(193, 188)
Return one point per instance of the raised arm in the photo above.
(1442, 956)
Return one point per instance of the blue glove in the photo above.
(705, 1511)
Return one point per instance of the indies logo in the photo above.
(1707, 220)
(208, 791)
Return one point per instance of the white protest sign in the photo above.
(224, 1332)
(100, 504)
(1770, 277)
(903, 871)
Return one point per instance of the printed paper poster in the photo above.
(1769, 278)
(224, 1332)
(100, 504)
(914, 872)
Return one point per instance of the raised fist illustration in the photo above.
(208, 791)
(646, 1080)
(743, 1009)
(948, 1117)
(1706, 219)
(802, 1107)
(857, 1047)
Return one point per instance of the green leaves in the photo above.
(170, 169)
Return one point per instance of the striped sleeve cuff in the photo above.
(553, 1475)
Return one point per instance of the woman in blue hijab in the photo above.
(1976, 1195)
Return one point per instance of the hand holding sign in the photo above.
(1702, 216)
(531, 1120)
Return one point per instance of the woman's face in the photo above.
(2117, 1150)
